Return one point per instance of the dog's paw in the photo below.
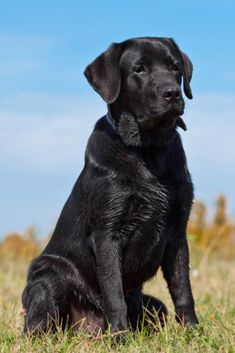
(187, 318)
(118, 331)
(117, 325)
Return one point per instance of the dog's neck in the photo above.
(132, 134)
(111, 120)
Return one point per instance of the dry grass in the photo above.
(213, 280)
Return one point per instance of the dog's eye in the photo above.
(175, 67)
(138, 69)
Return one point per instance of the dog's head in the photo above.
(143, 76)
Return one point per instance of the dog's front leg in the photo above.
(175, 266)
(110, 282)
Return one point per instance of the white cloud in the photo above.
(210, 145)
(211, 123)
(50, 135)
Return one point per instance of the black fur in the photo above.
(128, 211)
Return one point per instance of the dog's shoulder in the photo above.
(106, 151)
(102, 141)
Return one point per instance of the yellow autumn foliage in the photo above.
(215, 232)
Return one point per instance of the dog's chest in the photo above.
(162, 182)
(160, 199)
(152, 193)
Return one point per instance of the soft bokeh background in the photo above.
(48, 110)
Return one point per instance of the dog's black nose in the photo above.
(171, 93)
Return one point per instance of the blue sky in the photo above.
(48, 110)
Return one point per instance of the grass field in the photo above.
(213, 281)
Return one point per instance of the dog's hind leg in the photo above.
(45, 297)
(44, 304)
(153, 311)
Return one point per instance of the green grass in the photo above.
(213, 281)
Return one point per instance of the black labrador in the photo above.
(128, 211)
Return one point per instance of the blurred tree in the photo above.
(197, 221)
(220, 217)
(31, 234)
(217, 234)
(17, 246)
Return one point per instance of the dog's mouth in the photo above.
(170, 120)
(165, 120)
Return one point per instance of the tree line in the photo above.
(214, 232)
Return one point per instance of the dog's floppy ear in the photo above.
(104, 75)
(187, 69)
(187, 74)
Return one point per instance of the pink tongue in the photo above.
(181, 124)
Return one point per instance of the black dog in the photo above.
(128, 211)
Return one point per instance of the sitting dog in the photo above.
(128, 211)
